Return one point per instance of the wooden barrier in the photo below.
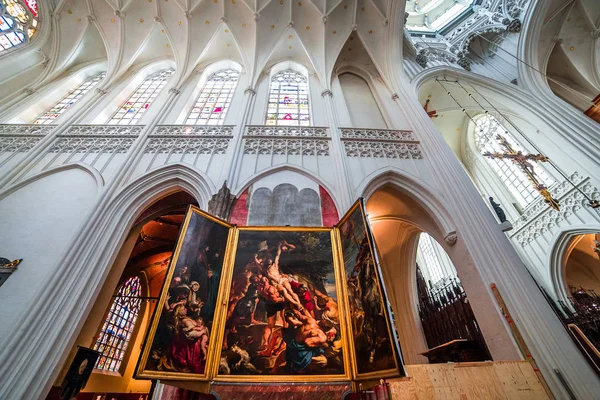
(466, 381)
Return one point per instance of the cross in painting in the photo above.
(523, 162)
(431, 114)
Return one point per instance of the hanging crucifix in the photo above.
(523, 162)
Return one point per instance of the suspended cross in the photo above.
(523, 162)
(431, 114)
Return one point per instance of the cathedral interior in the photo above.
(299, 199)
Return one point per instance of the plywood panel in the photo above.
(469, 381)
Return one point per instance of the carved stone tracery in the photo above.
(380, 143)
(539, 219)
(96, 139)
(22, 138)
(189, 139)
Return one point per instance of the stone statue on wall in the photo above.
(499, 210)
(222, 203)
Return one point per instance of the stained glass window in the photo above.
(63, 105)
(214, 99)
(288, 100)
(132, 110)
(433, 261)
(18, 22)
(119, 325)
(511, 175)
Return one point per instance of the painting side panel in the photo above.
(181, 328)
(371, 335)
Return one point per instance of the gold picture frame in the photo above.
(221, 326)
(348, 363)
(141, 372)
(398, 369)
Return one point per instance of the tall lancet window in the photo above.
(510, 174)
(136, 105)
(18, 22)
(434, 263)
(73, 97)
(288, 100)
(214, 99)
(119, 325)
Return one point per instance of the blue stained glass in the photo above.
(118, 326)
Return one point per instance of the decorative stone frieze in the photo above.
(179, 145)
(189, 139)
(95, 145)
(194, 130)
(371, 149)
(96, 139)
(286, 140)
(288, 147)
(377, 134)
(380, 143)
(285, 131)
(26, 130)
(21, 138)
(538, 218)
(104, 130)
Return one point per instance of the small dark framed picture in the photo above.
(79, 372)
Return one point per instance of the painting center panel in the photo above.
(282, 316)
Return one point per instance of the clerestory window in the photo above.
(213, 102)
(288, 100)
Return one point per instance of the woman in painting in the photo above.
(187, 352)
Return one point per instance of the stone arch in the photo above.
(241, 187)
(411, 184)
(95, 174)
(75, 286)
(399, 208)
(562, 244)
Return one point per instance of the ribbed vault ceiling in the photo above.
(192, 33)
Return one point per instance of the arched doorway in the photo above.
(398, 217)
(121, 313)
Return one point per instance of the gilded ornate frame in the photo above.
(140, 369)
(219, 320)
(339, 287)
(399, 370)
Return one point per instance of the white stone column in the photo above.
(338, 153)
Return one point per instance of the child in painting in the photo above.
(188, 353)
(198, 332)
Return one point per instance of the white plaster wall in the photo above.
(363, 108)
(38, 222)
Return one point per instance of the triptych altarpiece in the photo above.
(272, 304)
